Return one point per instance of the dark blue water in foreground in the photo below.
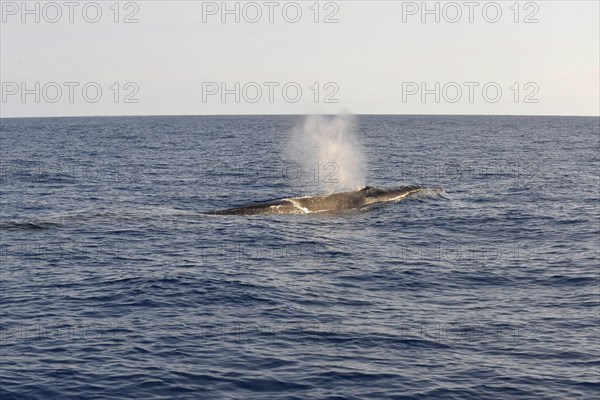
(115, 285)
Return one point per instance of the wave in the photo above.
(56, 221)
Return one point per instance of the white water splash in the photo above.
(329, 154)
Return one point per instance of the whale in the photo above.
(360, 199)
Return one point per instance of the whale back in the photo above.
(379, 195)
(343, 201)
(330, 202)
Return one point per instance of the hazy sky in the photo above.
(365, 57)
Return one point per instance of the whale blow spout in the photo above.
(343, 201)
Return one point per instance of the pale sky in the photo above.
(373, 57)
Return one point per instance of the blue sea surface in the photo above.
(116, 284)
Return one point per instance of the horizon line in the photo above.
(303, 114)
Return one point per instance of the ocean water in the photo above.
(115, 284)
